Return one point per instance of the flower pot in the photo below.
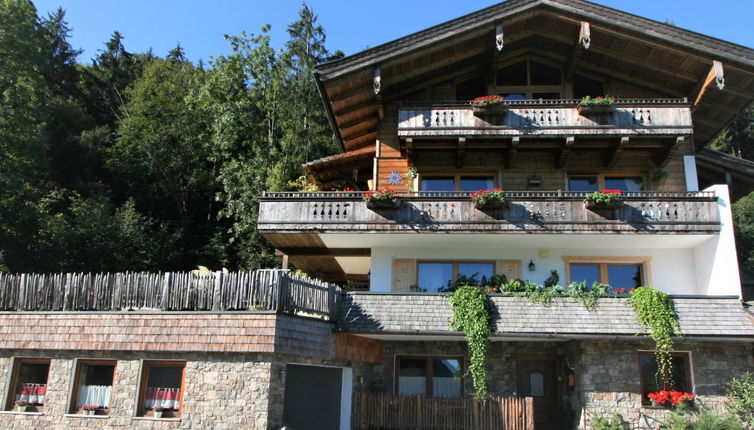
(595, 109)
(383, 204)
(494, 109)
(592, 206)
(88, 411)
(158, 414)
(491, 204)
(22, 408)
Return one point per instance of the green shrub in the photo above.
(740, 393)
(614, 423)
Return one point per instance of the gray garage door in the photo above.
(312, 397)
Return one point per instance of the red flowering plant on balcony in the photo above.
(618, 291)
(384, 198)
(670, 398)
(605, 199)
(494, 99)
(489, 199)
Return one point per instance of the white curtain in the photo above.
(97, 395)
(412, 385)
(446, 387)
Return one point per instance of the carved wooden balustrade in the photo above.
(546, 118)
(528, 212)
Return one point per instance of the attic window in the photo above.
(529, 79)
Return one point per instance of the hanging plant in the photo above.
(471, 315)
(654, 310)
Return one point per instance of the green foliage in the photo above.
(597, 101)
(740, 392)
(471, 315)
(654, 310)
(614, 423)
(553, 279)
(603, 199)
(704, 419)
(536, 293)
(487, 197)
(737, 138)
(743, 225)
(492, 285)
(587, 296)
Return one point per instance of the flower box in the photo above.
(488, 105)
(605, 199)
(596, 106)
(383, 204)
(489, 199)
(385, 199)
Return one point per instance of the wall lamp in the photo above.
(532, 266)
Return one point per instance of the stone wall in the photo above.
(222, 391)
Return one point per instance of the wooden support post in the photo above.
(512, 149)
(716, 74)
(565, 151)
(461, 154)
(618, 151)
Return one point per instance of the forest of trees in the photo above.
(134, 162)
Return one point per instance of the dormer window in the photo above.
(529, 79)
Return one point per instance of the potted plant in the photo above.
(596, 105)
(489, 199)
(605, 199)
(22, 406)
(670, 398)
(158, 410)
(493, 104)
(89, 409)
(384, 198)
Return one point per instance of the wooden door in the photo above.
(538, 378)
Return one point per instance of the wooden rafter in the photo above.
(512, 149)
(617, 151)
(461, 153)
(410, 149)
(565, 150)
(582, 44)
(715, 75)
(670, 153)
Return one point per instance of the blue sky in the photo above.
(351, 25)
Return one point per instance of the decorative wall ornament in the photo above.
(377, 80)
(499, 37)
(585, 37)
(394, 178)
(719, 74)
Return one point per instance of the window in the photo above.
(435, 275)
(680, 373)
(429, 376)
(162, 387)
(624, 272)
(92, 385)
(29, 383)
(459, 182)
(623, 182)
(529, 79)
(583, 86)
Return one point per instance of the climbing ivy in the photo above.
(587, 296)
(471, 315)
(655, 310)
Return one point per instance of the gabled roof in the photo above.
(637, 50)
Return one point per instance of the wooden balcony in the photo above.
(528, 212)
(546, 118)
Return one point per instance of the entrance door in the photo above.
(537, 378)
(312, 397)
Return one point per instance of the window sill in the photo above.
(87, 416)
(157, 419)
(22, 413)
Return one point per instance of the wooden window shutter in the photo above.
(404, 274)
(510, 268)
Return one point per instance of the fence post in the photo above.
(529, 413)
(217, 293)
(282, 281)
(165, 293)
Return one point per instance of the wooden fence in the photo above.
(266, 289)
(386, 412)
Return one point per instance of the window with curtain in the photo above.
(29, 383)
(94, 384)
(680, 374)
(430, 376)
(162, 387)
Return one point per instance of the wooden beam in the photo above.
(512, 149)
(361, 142)
(715, 75)
(670, 153)
(354, 122)
(359, 133)
(325, 252)
(371, 105)
(359, 90)
(618, 151)
(410, 149)
(564, 152)
(461, 154)
(582, 44)
(344, 277)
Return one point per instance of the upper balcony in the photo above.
(546, 118)
(528, 212)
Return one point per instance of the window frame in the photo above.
(428, 366)
(602, 175)
(80, 363)
(528, 90)
(10, 399)
(455, 264)
(144, 379)
(456, 175)
(688, 366)
(603, 262)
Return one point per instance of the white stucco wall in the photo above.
(715, 261)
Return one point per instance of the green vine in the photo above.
(471, 315)
(654, 310)
(587, 296)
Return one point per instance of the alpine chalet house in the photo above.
(550, 101)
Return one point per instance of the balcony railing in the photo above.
(528, 212)
(546, 117)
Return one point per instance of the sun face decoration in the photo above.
(394, 178)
